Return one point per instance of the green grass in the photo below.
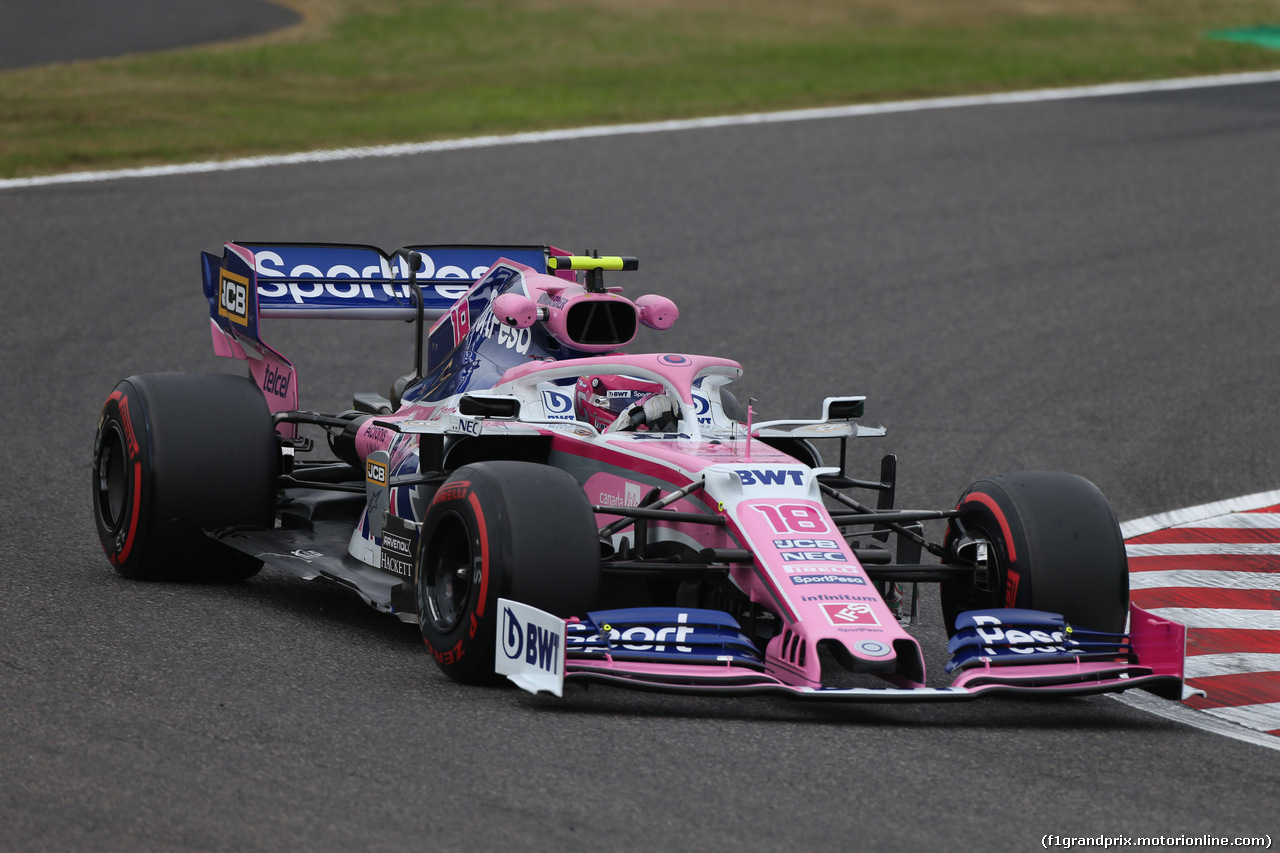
(365, 72)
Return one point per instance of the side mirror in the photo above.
(843, 408)
(514, 309)
(657, 312)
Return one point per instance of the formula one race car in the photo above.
(548, 508)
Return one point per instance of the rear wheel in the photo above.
(1055, 546)
(177, 453)
(515, 530)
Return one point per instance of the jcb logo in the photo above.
(233, 298)
(375, 472)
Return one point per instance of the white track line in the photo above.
(1178, 712)
(1234, 620)
(1209, 579)
(1239, 521)
(1204, 549)
(1262, 718)
(407, 149)
(1189, 516)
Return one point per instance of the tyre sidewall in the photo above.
(464, 503)
(125, 532)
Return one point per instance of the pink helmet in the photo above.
(599, 400)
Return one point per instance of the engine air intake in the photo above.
(604, 322)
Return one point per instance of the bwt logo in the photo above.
(702, 408)
(233, 298)
(754, 477)
(536, 645)
(559, 406)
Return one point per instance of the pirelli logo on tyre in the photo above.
(233, 298)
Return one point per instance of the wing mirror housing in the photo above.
(515, 309)
(657, 312)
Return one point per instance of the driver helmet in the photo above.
(600, 400)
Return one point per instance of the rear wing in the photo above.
(251, 281)
(339, 281)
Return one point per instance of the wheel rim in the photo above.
(994, 596)
(449, 574)
(964, 596)
(113, 478)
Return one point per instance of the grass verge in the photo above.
(362, 72)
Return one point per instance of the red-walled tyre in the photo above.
(1056, 546)
(515, 530)
(177, 453)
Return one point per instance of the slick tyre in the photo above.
(177, 453)
(1056, 546)
(515, 530)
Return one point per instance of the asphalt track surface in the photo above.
(1085, 285)
(37, 33)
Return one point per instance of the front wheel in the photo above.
(514, 530)
(1055, 546)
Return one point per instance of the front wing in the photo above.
(535, 652)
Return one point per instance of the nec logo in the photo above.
(812, 556)
(375, 472)
(233, 298)
(755, 477)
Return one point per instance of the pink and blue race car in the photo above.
(549, 508)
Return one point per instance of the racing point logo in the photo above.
(512, 635)
(853, 613)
